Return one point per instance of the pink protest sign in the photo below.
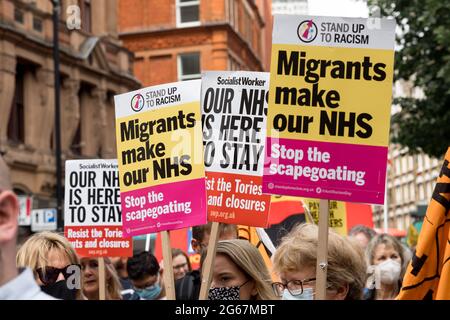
(325, 170)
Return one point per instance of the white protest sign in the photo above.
(93, 218)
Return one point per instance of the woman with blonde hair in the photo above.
(239, 273)
(388, 260)
(90, 280)
(54, 262)
(295, 262)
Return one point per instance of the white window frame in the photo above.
(421, 192)
(233, 15)
(182, 77)
(179, 5)
(412, 191)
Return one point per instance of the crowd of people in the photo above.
(363, 265)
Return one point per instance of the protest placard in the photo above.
(234, 109)
(160, 156)
(329, 108)
(337, 214)
(93, 219)
(329, 114)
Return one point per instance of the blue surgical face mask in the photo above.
(306, 295)
(149, 293)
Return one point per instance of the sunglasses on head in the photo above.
(49, 275)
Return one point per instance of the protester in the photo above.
(188, 287)
(14, 284)
(180, 263)
(201, 234)
(296, 258)
(91, 281)
(239, 273)
(55, 264)
(362, 234)
(120, 264)
(145, 275)
(387, 258)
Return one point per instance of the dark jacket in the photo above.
(188, 287)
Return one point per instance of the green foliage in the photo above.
(423, 58)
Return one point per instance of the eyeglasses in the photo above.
(49, 275)
(295, 287)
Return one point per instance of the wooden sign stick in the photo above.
(169, 280)
(207, 268)
(147, 243)
(322, 251)
(101, 279)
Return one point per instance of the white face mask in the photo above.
(306, 295)
(389, 271)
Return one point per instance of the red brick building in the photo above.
(265, 8)
(178, 39)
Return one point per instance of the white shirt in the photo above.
(23, 287)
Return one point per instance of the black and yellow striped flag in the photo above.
(428, 274)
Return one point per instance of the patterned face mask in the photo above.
(225, 293)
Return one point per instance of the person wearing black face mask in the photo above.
(56, 265)
(60, 289)
(14, 284)
(239, 273)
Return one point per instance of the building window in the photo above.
(406, 192)
(18, 15)
(16, 124)
(419, 163)
(189, 66)
(233, 65)
(249, 30)
(188, 13)
(398, 195)
(75, 147)
(404, 164)
(421, 192)
(397, 166)
(427, 162)
(412, 191)
(410, 163)
(86, 16)
(232, 13)
(392, 195)
(37, 24)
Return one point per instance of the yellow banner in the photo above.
(168, 154)
(337, 214)
(312, 98)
